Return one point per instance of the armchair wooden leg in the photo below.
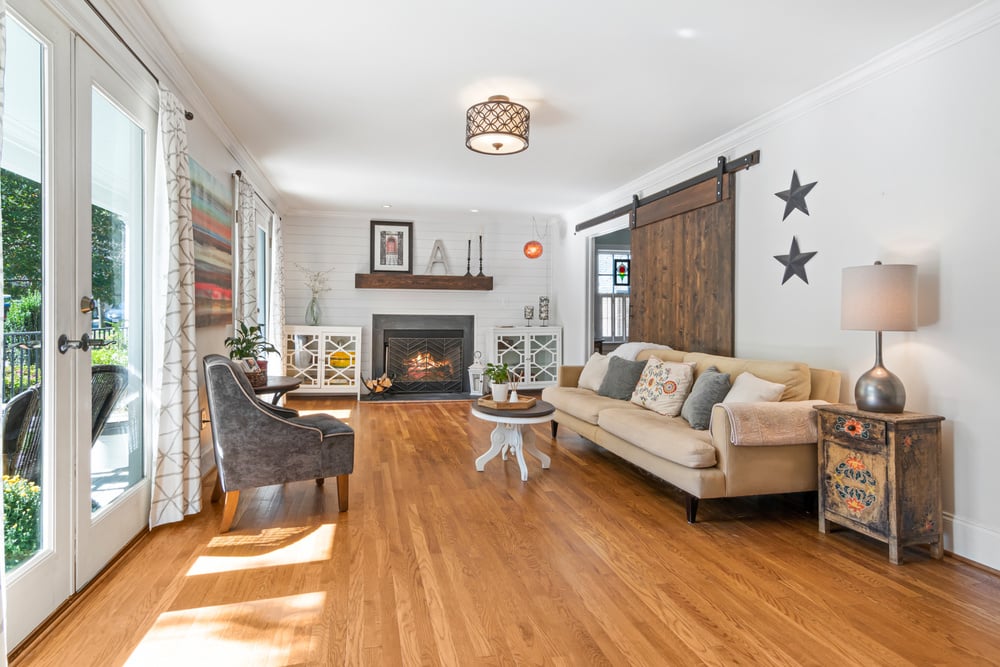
(342, 484)
(217, 489)
(555, 427)
(229, 510)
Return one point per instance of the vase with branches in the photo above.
(316, 281)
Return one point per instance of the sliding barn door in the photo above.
(683, 256)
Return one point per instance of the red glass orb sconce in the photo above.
(532, 249)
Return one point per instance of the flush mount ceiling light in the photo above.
(497, 126)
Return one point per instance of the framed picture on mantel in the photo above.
(391, 247)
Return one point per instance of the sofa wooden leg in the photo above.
(691, 507)
(342, 485)
(229, 510)
(555, 427)
(319, 481)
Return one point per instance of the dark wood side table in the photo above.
(880, 474)
(279, 385)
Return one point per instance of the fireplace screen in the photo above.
(425, 364)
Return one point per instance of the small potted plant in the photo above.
(499, 374)
(248, 343)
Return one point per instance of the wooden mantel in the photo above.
(411, 281)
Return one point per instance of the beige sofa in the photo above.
(704, 464)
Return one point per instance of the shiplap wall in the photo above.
(341, 241)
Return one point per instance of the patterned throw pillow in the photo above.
(663, 386)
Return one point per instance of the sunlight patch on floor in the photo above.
(247, 552)
(275, 631)
(339, 414)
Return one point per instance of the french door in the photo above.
(80, 137)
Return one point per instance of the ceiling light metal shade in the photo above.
(497, 126)
(880, 297)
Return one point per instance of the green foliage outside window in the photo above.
(22, 243)
(22, 500)
(25, 314)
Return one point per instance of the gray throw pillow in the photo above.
(620, 380)
(710, 388)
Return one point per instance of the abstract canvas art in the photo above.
(211, 209)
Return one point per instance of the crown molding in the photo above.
(969, 23)
(137, 27)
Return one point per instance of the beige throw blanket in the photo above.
(761, 424)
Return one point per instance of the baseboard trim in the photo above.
(972, 542)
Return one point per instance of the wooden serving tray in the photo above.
(522, 403)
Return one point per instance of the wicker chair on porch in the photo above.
(22, 434)
(107, 384)
(259, 444)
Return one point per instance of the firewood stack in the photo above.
(378, 386)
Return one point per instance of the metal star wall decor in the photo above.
(795, 196)
(795, 262)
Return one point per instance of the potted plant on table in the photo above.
(249, 343)
(499, 375)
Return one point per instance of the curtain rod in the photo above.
(187, 114)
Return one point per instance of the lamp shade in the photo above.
(879, 297)
(532, 249)
(497, 126)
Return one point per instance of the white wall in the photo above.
(903, 151)
(341, 241)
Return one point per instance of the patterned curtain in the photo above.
(246, 270)
(276, 304)
(3, 568)
(177, 458)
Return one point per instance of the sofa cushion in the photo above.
(593, 373)
(748, 388)
(663, 386)
(794, 375)
(710, 388)
(620, 380)
(582, 403)
(670, 438)
(661, 354)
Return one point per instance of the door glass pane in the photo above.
(25, 499)
(116, 283)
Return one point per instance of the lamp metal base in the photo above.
(879, 390)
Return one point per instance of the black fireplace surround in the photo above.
(437, 329)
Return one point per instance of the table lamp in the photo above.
(880, 297)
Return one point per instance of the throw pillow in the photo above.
(749, 388)
(620, 380)
(663, 386)
(710, 388)
(593, 373)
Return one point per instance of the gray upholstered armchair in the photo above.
(259, 444)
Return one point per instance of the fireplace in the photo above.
(423, 354)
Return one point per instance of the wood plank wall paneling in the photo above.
(683, 271)
(588, 563)
(340, 242)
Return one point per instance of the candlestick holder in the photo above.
(468, 261)
(543, 309)
(481, 274)
(529, 313)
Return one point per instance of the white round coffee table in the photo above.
(507, 437)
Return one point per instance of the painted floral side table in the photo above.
(880, 474)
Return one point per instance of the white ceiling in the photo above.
(353, 105)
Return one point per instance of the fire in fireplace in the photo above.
(425, 361)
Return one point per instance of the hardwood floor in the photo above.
(588, 563)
